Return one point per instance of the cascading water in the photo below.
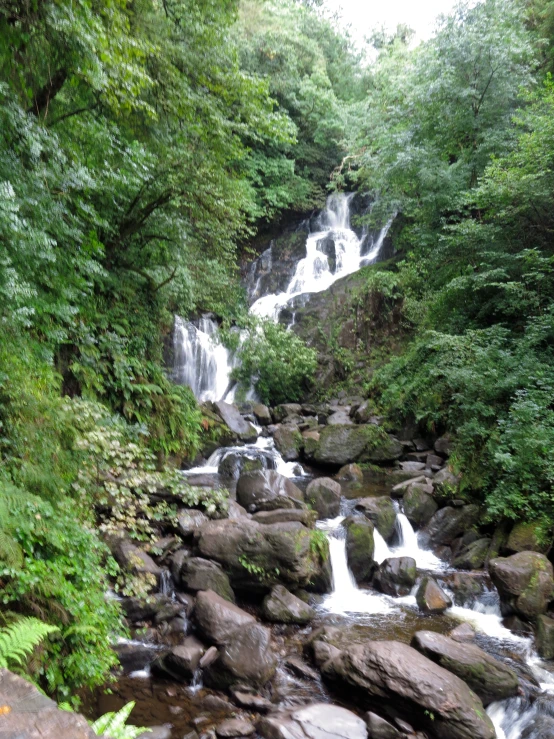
(331, 253)
(200, 361)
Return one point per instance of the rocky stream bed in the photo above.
(351, 592)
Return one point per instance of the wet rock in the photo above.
(233, 465)
(189, 521)
(378, 728)
(463, 633)
(490, 679)
(133, 559)
(381, 513)
(288, 441)
(262, 414)
(258, 556)
(241, 429)
(297, 666)
(203, 574)
(443, 445)
(323, 495)
(31, 715)
(244, 698)
(316, 721)
(448, 523)
(266, 490)
(394, 673)
(399, 490)
(235, 510)
(473, 556)
(322, 651)
(283, 515)
(182, 661)
(246, 657)
(311, 443)
(360, 547)
(145, 609)
(209, 657)
(283, 607)
(419, 505)
(350, 473)
(396, 576)
(467, 587)
(286, 410)
(133, 655)
(234, 727)
(431, 598)
(544, 640)
(525, 583)
(218, 619)
(523, 538)
(341, 444)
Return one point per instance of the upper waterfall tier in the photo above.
(333, 251)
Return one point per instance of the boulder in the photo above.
(399, 490)
(381, 512)
(463, 633)
(323, 495)
(181, 662)
(316, 721)
(350, 473)
(525, 583)
(431, 598)
(283, 607)
(449, 523)
(250, 700)
(443, 445)
(262, 414)
(340, 418)
(523, 538)
(378, 728)
(544, 640)
(394, 673)
(234, 727)
(28, 714)
(288, 442)
(234, 464)
(539, 727)
(310, 440)
(419, 505)
(189, 521)
(281, 412)
(396, 576)
(217, 619)
(490, 679)
(473, 556)
(363, 413)
(245, 658)
(360, 548)
(341, 444)
(266, 490)
(203, 574)
(241, 429)
(133, 559)
(446, 480)
(258, 556)
(283, 515)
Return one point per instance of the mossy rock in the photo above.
(381, 512)
(524, 538)
(342, 444)
(360, 547)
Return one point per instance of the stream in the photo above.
(361, 614)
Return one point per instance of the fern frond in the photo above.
(11, 553)
(113, 724)
(19, 639)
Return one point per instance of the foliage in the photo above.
(17, 640)
(274, 361)
(114, 724)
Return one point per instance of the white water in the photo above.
(313, 273)
(408, 546)
(263, 448)
(200, 360)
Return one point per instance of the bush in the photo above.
(275, 362)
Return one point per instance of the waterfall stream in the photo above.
(205, 365)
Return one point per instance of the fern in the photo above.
(114, 725)
(19, 639)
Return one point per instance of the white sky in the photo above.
(364, 15)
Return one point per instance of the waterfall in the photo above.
(408, 546)
(381, 550)
(331, 253)
(200, 361)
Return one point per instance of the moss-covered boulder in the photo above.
(525, 583)
(431, 598)
(342, 444)
(473, 556)
(323, 495)
(281, 606)
(524, 537)
(310, 443)
(288, 442)
(489, 678)
(202, 574)
(544, 640)
(381, 512)
(419, 506)
(360, 548)
(350, 473)
(449, 523)
(267, 490)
